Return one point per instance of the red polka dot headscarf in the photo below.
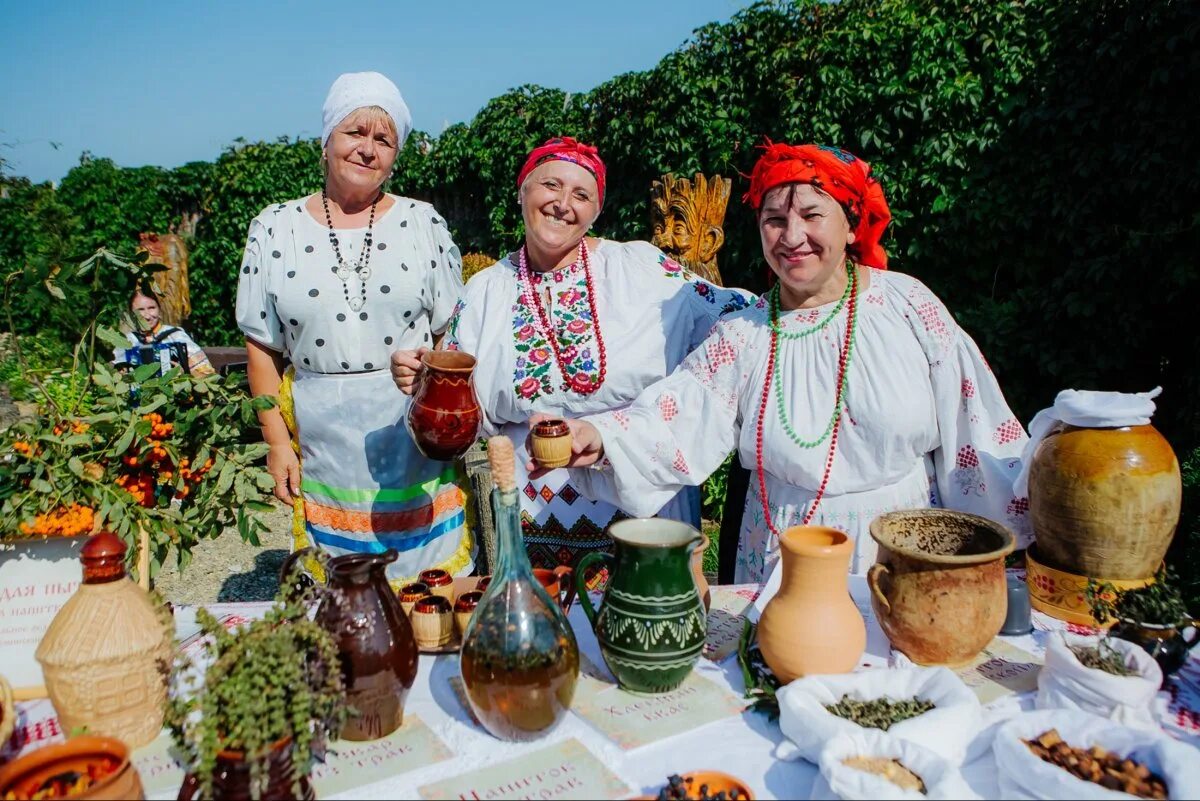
(564, 148)
(843, 176)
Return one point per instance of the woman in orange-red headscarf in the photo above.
(848, 389)
(571, 324)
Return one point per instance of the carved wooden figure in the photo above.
(688, 218)
(171, 284)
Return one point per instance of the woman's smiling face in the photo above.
(804, 236)
(362, 149)
(559, 202)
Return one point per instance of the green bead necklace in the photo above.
(840, 403)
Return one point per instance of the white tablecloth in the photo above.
(743, 745)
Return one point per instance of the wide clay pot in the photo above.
(374, 640)
(1104, 501)
(444, 418)
(76, 755)
(938, 585)
(231, 778)
(812, 626)
(651, 624)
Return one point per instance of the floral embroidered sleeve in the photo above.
(979, 440)
(706, 301)
(675, 434)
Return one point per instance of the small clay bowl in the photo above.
(483, 583)
(716, 781)
(411, 593)
(439, 582)
(550, 443)
(75, 755)
(464, 607)
(432, 621)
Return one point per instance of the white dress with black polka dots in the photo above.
(366, 488)
(291, 300)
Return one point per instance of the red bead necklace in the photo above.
(579, 382)
(843, 363)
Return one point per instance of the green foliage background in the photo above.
(1040, 158)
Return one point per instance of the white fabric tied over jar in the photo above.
(1086, 409)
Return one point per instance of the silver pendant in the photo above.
(344, 272)
(364, 273)
(355, 303)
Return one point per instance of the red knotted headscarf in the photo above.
(564, 148)
(843, 176)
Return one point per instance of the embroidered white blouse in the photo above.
(650, 314)
(925, 423)
(290, 298)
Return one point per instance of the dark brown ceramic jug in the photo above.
(444, 417)
(231, 778)
(374, 639)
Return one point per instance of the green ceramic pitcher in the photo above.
(651, 624)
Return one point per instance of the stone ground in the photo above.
(228, 569)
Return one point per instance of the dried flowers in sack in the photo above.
(1023, 773)
(871, 764)
(1110, 678)
(928, 706)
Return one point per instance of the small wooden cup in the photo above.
(439, 582)
(432, 621)
(411, 593)
(551, 443)
(464, 607)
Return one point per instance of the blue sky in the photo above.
(165, 82)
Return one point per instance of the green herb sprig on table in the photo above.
(761, 683)
(879, 713)
(1156, 604)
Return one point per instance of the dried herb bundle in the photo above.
(878, 713)
(761, 683)
(1102, 656)
(1157, 604)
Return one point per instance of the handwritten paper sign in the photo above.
(37, 576)
(1001, 669)
(564, 770)
(726, 617)
(632, 720)
(357, 764)
(158, 765)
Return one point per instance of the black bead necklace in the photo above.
(362, 268)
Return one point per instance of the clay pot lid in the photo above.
(551, 428)
(103, 557)
(467, 601)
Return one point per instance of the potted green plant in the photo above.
(257, 716)
(1154, 617)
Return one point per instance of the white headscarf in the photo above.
(354, 90)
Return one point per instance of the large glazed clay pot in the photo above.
(1104, 501)
(812, 626)
(374, 638)
(651, 624)
(938, 587)
(231, 778)
(444, 418)
(76, 755)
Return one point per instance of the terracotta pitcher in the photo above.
(651, 624)
(938, 587)
(374, 638)
(812, 626)
(1104, 501)
(444, 417)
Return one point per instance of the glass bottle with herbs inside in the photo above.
(519, 658)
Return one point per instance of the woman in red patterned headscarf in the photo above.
(573, 324)
(848, 389)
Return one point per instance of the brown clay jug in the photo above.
(812, 626)
(231, 778)
(938, 586)
(101, 653)
(444, 417)
(1104, 501)
(374, 639)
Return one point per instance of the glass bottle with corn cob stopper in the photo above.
(519, 658)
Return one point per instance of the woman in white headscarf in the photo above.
(336, 282)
